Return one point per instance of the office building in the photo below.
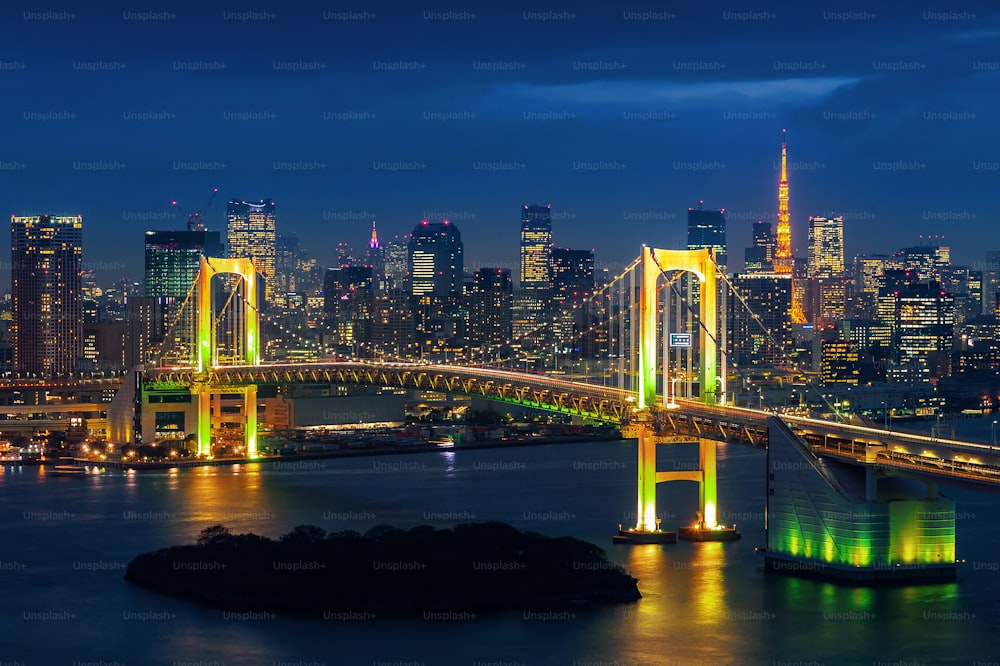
(490, 309)
(536, 247)
(46, 263)
(707, 230)
(435, 258)
(251, 235)
(760, 257)
(572, 275)
(759, 324)
(826, 247)
(173, 259)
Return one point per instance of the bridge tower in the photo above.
(653, 264)
(207, 351)
(139, 408)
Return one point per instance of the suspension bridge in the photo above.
(842, 500)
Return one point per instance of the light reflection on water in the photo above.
(702, 602)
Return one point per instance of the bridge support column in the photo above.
(871, 483)
(707, 527)
(707, 498)
(646, 510)
(250, 411)
(647, 527)
(204, 398)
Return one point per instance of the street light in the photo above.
(993, 433)
(885, 416)
(671, 402)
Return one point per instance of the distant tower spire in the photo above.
(373, 243)
(783, 261)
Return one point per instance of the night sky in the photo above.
(620, 115)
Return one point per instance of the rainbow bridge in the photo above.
(843, 500)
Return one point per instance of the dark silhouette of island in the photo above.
(481, 566)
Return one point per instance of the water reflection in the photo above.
(449, 463)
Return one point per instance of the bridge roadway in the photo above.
(926, 457)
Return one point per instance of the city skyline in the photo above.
(621, 118)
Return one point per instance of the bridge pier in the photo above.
(838, 522)
(647, 528)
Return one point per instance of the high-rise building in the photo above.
(146, 319)
(927, 262)
(349, 304)
(991, 281)
(46, 260)
(436, 283)
(572, 275)
(707, 230)
(173, 259)
(826, 247)
(375, 256)
(840, 362)
(536, 247)
(490, 301)
(759, 324)
(396, 263)
(392, 328)
(251, 235)
(436, 264)
(294, 272)
(866, 280)
(760, 257)
(923, 329)
(825, 301)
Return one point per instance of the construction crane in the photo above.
(194, 222)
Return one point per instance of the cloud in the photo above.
(793, 90)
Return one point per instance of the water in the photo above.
(64, 543)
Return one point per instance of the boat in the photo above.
(68, 470)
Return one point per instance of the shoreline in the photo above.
(322, 455)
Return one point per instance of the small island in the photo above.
(473, 567)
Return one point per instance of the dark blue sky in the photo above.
(619, 115)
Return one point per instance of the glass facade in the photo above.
(536, 247)
(47, 261)
(251, 235)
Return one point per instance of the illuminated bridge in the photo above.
(843, 500)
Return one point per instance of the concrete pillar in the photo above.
(646, 509)
(204, 398)
(250, 411)
(871, 484)
(708, 500)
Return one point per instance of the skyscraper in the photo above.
(536, 247)
(707, 230)
(923, 329)
(46, 260)
(490, 304)
(760, 257)
(436, 264)
(759, 325)
(436, 283)
(251, 235)
(173, 259)
(572, 275)
(826, 247)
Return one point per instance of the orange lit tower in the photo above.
(783, 260)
